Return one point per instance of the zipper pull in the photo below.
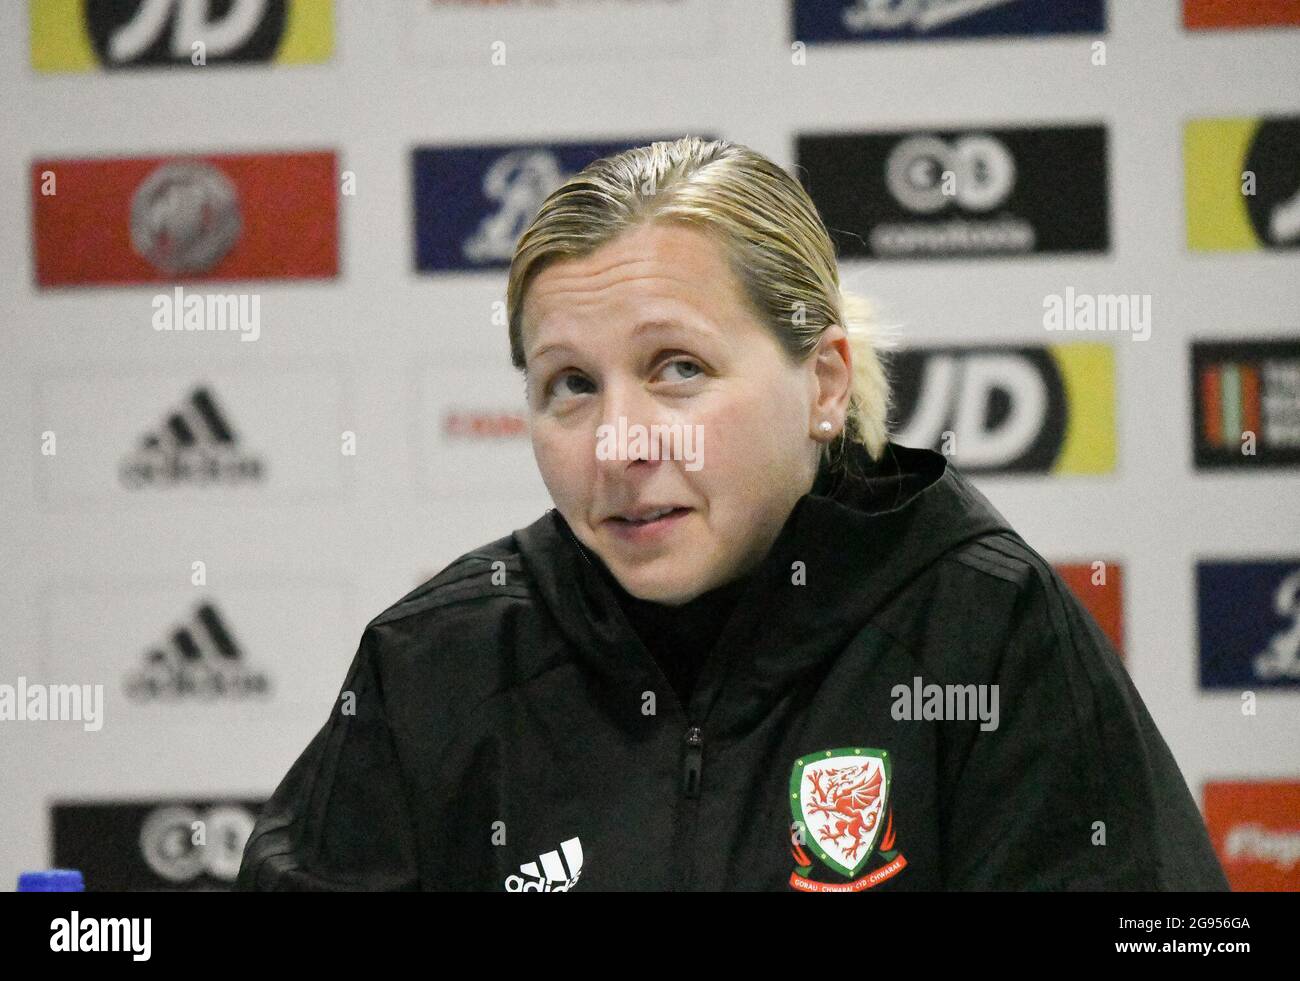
(694, 761)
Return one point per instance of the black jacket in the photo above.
(503, 726)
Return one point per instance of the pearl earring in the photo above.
(824, 426)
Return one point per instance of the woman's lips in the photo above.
(637, 532)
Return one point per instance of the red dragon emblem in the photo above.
(848, 796)
(841, 800)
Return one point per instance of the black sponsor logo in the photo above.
(1274, 208)
(958, 193)
(194, 445)
(148, 33)
(200, 661)
(153, 845)
(1246, 398)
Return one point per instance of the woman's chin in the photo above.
(672, 588)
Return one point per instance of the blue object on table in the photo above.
(51, 880)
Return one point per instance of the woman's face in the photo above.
(650, 336)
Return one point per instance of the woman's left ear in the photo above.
(833, 375)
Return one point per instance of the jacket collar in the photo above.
(861, 540)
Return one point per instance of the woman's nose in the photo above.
(631, 426)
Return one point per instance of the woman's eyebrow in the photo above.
(554, 346)
(659, 326)
(644, 327)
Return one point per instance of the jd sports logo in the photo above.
(993, 409)
(555, 875)
(1243, 184)
(201, 660)
(150, 33)
(162, 32)
(194, 445)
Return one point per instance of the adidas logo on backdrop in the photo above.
(194, 445)
(199, 661)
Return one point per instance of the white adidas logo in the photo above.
(552, 877)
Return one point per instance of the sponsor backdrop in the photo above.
(256, 381)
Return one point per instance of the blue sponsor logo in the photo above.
(473, 202)
(1248, 616)
(817, 21)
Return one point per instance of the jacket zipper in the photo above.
(688, 808)
(694, 763)
(692, 772)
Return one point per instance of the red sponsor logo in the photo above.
(1202, 14)
(485, 425)
(151, 219)
(1255, 827)
(1100, 588)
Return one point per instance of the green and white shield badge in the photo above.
(840, 797)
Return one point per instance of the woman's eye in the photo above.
(560, 385)
(694, 367)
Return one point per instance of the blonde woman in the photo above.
(755, 645)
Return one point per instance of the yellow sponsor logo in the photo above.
(63, 35)
(1088, 373)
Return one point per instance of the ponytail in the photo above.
(867, 421)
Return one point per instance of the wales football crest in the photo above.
(842, 814)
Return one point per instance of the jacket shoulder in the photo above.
(491, 570)
(1041, 596)
(1038, 606)
(1075, 738)
(1006, 556)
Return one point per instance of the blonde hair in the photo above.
(769, 228)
